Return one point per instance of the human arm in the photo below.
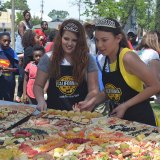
(92, 82)
(13, 69)
(38, 89)
(21, 55)
(135, 66)
(8, 70)
(40, 81)
(154, 65)
(46, 86)
(97, 99)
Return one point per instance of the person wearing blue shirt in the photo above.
(8, 68)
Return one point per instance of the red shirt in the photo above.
(130, 45)
(31, 69)
(49, 47)
(42, 36)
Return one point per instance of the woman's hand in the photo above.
(42, 105)
(119, 111)
(89, 103)
(86, 105)
(40, 81)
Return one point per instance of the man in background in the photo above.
(24, 25)
(89, 29)
(132, 38)
(42, 34)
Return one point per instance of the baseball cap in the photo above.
(89, 23)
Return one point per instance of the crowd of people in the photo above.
(80, 66)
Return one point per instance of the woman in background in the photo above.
(149, 52)
(30, 39)
(23, 25)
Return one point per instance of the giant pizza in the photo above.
(56, 135)
(12, 114)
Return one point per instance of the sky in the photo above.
(49, 5)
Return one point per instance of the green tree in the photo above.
(146, 14)
(19, 5)
(58, 14)
(19, 16)
(35, 20)
(110, 8)
(157, 22)
(122, 9)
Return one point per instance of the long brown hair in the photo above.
(79, 58)
(149, 40)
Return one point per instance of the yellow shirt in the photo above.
(132, 81)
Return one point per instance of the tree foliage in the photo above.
(19, 5)
(19, 16)
(145, 10)
(35, 20)
(146, 14)
(157, 21)
(58, 14)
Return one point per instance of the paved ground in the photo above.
(15, 94)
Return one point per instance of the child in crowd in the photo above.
(30, 74)
(8, 68)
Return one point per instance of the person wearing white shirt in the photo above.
(149, 53)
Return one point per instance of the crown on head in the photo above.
(105, 23)
(71, 27)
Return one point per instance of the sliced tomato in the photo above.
(89, 151)
(22, 134)
(28, 150)
(119, 134)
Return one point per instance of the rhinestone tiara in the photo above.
(105, 23)
(71, 27)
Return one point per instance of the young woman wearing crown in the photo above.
(123, 75)
(71, 70)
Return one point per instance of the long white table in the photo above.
(14, 103)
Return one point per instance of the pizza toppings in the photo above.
(43, 156)
(74, 135)
(28, 150)
(10, 115)
(22, 134)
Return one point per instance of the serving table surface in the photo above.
(69, 135)
(18, 104)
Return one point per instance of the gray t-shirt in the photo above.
(44, 63)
